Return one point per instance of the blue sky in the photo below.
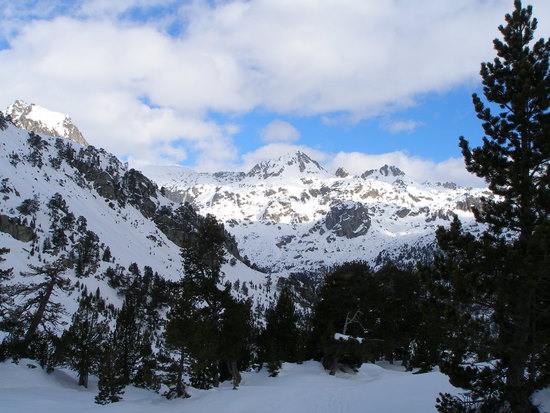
(223, 84)
(429, 129)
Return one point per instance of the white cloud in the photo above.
(450, 170)
(279, 131)
(357, 58)
(399, 126)
(97, 73)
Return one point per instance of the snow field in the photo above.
(304, 388)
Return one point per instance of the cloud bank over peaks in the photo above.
(97, 59)
(421, 170)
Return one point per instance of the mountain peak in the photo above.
(292, 164)
(386, 170)
(341, 173)
(38, 119)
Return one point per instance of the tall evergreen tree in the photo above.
(84, 340)
(111, 383)
(176, 337)
(206, 328)
(126, 339)
(86, 252)
(146, 375)
(205, 255)
(392, 312)
(235, 335)
(37, 306)
(280, 338)
(6, 296)
(202, 262)
(498, 283)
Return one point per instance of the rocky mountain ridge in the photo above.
(40, 120)
(290, 214)
(82, 208)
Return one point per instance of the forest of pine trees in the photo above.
(480, 311)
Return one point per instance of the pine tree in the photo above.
(392, 312)
(6, 295)
(111, 383)
(202, 262)
(84, 340)
(37, 306)
(204, 257)
(106, 254)
(497, 285)
(177, 334)
(126, 338)
(86, 252)
(280, 338)
(235, 335)
(146, 369)
(176, 338)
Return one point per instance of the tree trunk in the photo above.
(216, 373)
(180, 387)
(333, 363)
(83, 378)
(39, 315)
(516, 379)
(235, 373)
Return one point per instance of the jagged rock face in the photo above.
(17, 230)
(42, 121)
(291, 215)
(287, 165)
(341, 173)
(82, 208)
(386, 170)
(348, 220)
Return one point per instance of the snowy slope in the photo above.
(101, 192)
(305, 388)
(299, 388)
(290, 214)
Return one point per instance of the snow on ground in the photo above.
(298, 388)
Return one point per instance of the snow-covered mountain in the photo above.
(43, 121)
(60, 201)
(290, 214)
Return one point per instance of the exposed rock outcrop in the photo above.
(16, 229)
(43, 121)
(348, 220)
